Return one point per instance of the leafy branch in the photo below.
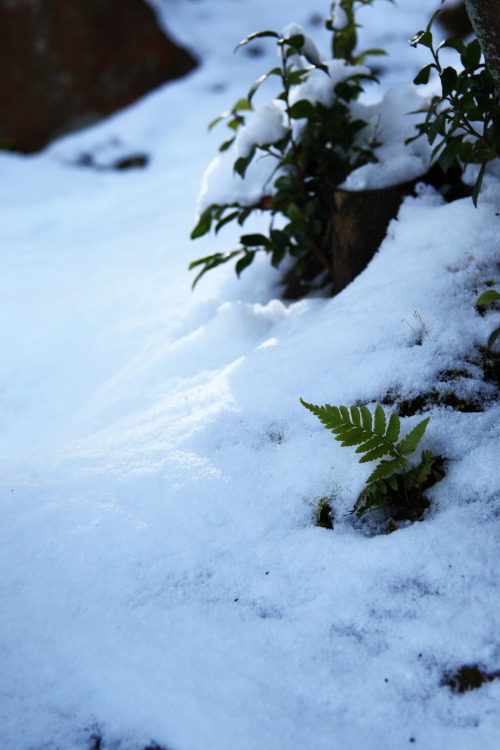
(465, 119)
(315, 148)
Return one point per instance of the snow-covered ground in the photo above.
(163, 579)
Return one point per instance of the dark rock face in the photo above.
(67, 63)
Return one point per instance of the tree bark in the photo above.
(485, 19)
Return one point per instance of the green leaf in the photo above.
(448, 155)
(471, 56)
(375, 51)
(244, 215)
(454, 43)
(422, 37)
(433, 18)
(260, 81)
(226, 144)
(437, 127)
(366, 417)
(235, 124)
(393, 428)
(379, 426)
(354, 436)
(382, 450)
(226, 220)
(344, 413)
(393, 483)
(493, 337)
(254, 240)
(409, 443)
(256, 35)
(423, 76)
(301, 109)
(341, 429)
(241, 165)
(244, 261)
(355, 416)
(242, 105)
(490, 296)
(449, 78)
(204, 223)
(211, 261)
(371, 444)
(478, 184)
(296, 40)
(293, 212)
(386, 468)
(277, 256)
(218, 119)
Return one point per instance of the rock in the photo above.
(68, 63)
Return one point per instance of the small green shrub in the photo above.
(491, 295)
(315, 149)
(392, 483)
(464, 121)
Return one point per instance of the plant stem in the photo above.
(317, 251)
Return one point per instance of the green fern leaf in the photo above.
(366, 417)
(386, 468)
(371, 444)
(353, 437)
(393, 428)
(408, 444)
(342, 429)
(328, 415)
(379, 426)
(355, 416)
(393, 483)
(344, 412)
(379, 452)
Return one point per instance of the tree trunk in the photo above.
(360, 220)
(485, 19)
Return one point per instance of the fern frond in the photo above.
(376, 438)
(357, 426)
(421, 473)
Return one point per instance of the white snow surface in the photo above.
(163, 579)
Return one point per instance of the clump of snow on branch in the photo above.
(389, 125)
(266, 125)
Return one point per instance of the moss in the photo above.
(485, 363)
(424, 401)
(468, 677)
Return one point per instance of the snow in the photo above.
(163, 578)
(309, 49)
(266, 125)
